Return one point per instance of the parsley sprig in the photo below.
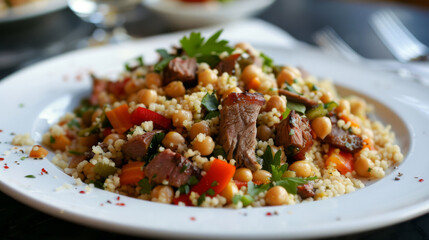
(211, 104)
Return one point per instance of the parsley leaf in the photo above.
(236, 199)
(285, 114)
(30, 176)
(195, 46)
(218, 151)
(277, 171)
(73, 123)
(296, 106)
(211, 192)
(193, 180)
(253, 189)
(154, 146)
(51, 139)
(291, 183)
(210, 103)
(145, 185)
(166, 58)
(184, 189)
(269, 160)
(201, 199)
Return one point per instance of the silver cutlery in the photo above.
(400, 41)
(329, 40)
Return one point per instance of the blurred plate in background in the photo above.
(33, 9)
(190, 14)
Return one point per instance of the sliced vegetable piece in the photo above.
(132, 173)
(348, 119)
(342, 161)
(219, 171)
(60, 142)
(143, 114)
(318, 111)
(120, 118)
(104, 170)
(38, 152)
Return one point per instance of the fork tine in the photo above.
(328, 38)
(403, 45)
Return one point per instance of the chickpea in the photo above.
(153, 80)
(172, 140)
(243, 175)
(343, 107)
(326, 97)
(111, 138)
(175, 89)
(358, 107)
(204, 145)
(251, 71)
(147, 96)
(322, 126)
(276, 196)
(162, 194)
(286, 75)
(132, 98)
(229, 191)
(301, 168)
(231, 90)
(263, 132)
(197, 128)
(206, 166)
(262, 176)
(180, 117)
(362, 167)
(207, 77)
(276, 102)
(132, 86)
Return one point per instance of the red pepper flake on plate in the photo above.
(120, 204)
(1, 159)
(82, 192)
(1, 130)
(268, 214)
(192, 218)
(43, 171)
(118, 198)
(6, 167)
(421, 180)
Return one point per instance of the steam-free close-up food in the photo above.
(212, 125)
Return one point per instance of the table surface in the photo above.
(29, 41)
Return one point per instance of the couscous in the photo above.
(211, 125)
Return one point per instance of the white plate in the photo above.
(34, 98)
(189, 15)
(30, 10)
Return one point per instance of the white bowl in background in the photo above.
(190, 15)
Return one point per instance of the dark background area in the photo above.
(26, 42)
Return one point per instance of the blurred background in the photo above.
(34, 30)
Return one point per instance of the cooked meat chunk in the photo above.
(294, 134)
(183, 70)
(136, 148)
(227, 65)
(342, 139)
(290, 96)
(238, 127)
(172, 167)
(306, 190)
(98, 86)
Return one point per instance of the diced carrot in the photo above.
(38, 152)
(132, 173)
(348, 119)
(342, 161)
(60, 142)
(367, 143)
(254, 84)
(120, 118)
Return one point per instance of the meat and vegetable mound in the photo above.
(217, 126)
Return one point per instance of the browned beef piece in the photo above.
(290, 96)
(294, 134)
(342, 139)
(306, 190)
(182, 70)
(227, 65)
(238, 127)
(170, 166)
(136, 148)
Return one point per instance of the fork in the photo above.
(400, 41)
(329, 40)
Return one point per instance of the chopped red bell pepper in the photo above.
(218, 176)
(143, 114)
(183, 198)
(342, 161)
(240, 184)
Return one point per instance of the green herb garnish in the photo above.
(145, 185)
(201, 199)
(195, 46)
(218, 151)
(315, 112)
(51, 139)
(211, 104)
(269, 160)
(73, 152)
(291, 183)
(193, 180)
(30, 176)
(253, 189)
(211, 192)
(214, 184)
(166, 58)
(184, 189)
(296, 106)
(152, 151)
(73, 123)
